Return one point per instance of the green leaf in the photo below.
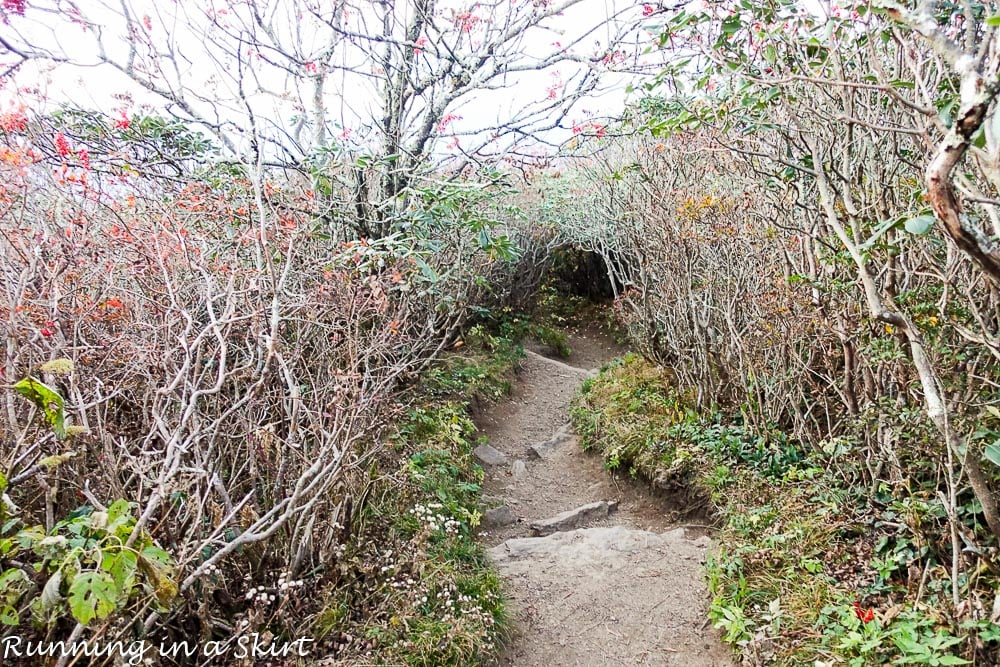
(151, 564)
(880, 231)
(992, 453)
(10, 578)
(47, 400)
(426, 270)
(979, 138)
(122, 567)
(13, 583)
(920, 224)
(9, 616)
(731, 25)
(158, 555)
(92, 595)
(28, 537)
(120, 520)
(993, 21)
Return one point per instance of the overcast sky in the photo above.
(207, 75)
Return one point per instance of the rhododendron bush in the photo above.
(202, 374)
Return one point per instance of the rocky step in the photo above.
(601, 540)
(490, 456)
(609, 595)
(562, 366)
(574, 518)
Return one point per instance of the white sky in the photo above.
(350, 97)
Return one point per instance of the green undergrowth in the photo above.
(557, 310)
(557, 307)
(415, 587)
(809, 568)
(543, 329)
(541, 326)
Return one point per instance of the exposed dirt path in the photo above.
(623, 587)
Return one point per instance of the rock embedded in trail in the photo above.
(562, 366)
(582, 544)
(573, 518)
(489, 456)
(518, 470)
(544, 449)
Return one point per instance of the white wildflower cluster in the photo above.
(460, 608)
(403, 583)
(466, 616)
(390, 563)
(430, 515)
(262, 595)
(284, 583)
(456, 604)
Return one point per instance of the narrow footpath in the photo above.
(596, 573)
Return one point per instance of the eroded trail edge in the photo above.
(596, 573)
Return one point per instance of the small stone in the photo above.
(704, 542)
(518, 470)
(489, 456)
(498, 517)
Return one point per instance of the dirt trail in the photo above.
(615, 588)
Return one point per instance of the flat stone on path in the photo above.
(555, 363)
(573, 518)
(518, 470)
(489, 456)
(544, 449)
(608, 597)
(587, 544)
